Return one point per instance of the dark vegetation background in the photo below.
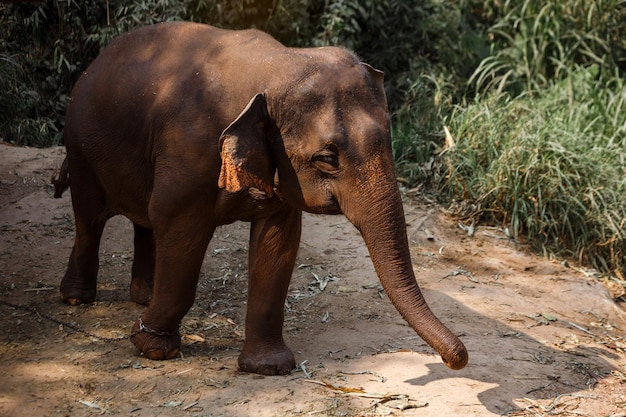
(511, 113)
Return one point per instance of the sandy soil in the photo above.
(544, 339)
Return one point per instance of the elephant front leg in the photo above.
(274, 244)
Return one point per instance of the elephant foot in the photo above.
(154, 344)
(267, 362)
(74, 301)
(140, 292)
(77, 297)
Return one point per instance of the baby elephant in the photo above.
(183, 127)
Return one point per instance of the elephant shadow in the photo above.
(562, 360)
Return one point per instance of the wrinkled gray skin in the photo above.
(183, 127)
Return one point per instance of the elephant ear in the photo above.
(377, 74)
(245, 152)
(379, 79)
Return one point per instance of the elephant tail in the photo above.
(62, 182)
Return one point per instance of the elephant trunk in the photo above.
(382, 225)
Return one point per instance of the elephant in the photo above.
(182, 127)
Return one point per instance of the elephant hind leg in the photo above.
(79, 283)
(180, 245)
(142, 283)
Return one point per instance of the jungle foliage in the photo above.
(513, 109)
(45, 46)
(541, 147)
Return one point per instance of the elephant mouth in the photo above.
(330, 206)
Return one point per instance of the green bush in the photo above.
(48, 45)
(52, 42)
(536, 42)
(293, 22)
(549, 167)
(541, 149)
(44, 44)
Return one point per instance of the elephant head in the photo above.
(322, 143)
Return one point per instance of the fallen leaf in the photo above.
(403, 404)
(194, 338)
(326, 317)
(172, 404)
(91, 404)
(193, 404)
(334, 388)
(549, 317)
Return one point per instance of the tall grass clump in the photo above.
(551, 167)
(416, 128)
(535, 42)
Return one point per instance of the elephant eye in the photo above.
(326, 161)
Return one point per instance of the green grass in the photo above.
(541, 133)
(536, 42)
(415, 129)
(551, 167)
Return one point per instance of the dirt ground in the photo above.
(544, 339)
